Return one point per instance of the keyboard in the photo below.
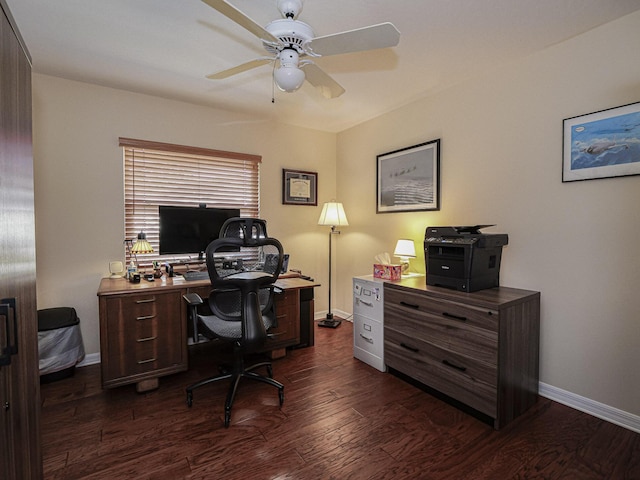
(193, 275)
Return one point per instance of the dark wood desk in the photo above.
(143, 326)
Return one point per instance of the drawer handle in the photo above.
(413, 349)
(455, 317)
(410, 305)
(146, 317)
(452, 365)
(367, 339)
(147, 300)
(148, 339)
(368, 304)
(141, 362)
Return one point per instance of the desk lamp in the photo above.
(142, 245)
(332, 215)
(405, 249)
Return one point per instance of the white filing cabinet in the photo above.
(368, 321)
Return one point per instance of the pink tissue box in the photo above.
(387, 272)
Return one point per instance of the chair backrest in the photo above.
(243, 265)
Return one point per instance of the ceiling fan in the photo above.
(290, 42)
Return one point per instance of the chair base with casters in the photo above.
(238, 372)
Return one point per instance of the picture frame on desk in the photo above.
(299, 187)
(409, 179)
(602, 144)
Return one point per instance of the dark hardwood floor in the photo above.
(341, 419)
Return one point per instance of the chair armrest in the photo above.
(193, 299)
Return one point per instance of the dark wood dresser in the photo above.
(478, 348)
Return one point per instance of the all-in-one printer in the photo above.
(463, 258)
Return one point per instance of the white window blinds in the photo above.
(166, 174)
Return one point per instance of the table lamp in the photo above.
(405, 249)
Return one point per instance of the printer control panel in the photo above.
(454, 240)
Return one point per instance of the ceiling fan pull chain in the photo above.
(273, 84)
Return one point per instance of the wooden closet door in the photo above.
(20, 454)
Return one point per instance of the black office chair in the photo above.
(242, 300)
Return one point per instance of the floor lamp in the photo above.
(332, 215)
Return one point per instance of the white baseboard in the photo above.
(586, 405)
(89, 359)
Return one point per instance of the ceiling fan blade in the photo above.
(258, 62)
(322, 81)
(383, 35)
(241, 19)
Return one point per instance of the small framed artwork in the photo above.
(603, 144)
(299, 188)
(409, 179)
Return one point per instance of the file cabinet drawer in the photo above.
(368, 315)
(368, 299)
(368, 341)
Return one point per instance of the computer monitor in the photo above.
(188, 230)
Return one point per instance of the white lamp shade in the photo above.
(333, 215)
(405, 248)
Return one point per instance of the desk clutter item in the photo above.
(116, 269)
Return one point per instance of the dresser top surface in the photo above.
(497, 296)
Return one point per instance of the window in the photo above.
(165, 174)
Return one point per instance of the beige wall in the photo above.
(79, 186)
(577, 242)
(501, 163)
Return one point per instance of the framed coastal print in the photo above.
(603, 144)
(299, 188)
(409, 179)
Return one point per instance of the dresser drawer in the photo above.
(458, 376)
(458, 337)
(450, 311)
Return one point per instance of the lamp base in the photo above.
(329, 322)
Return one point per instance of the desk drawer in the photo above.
(287, 333)
(142, 333)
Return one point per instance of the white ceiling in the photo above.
(166, 47)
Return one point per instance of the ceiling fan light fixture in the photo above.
(289, 78)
